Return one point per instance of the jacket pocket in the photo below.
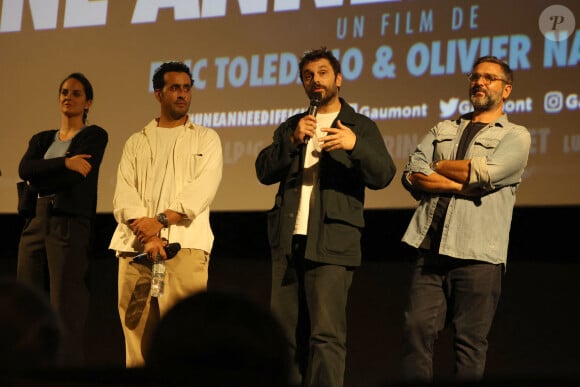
(343, 209)
(343, 224)
(483, 146)
(443, 146)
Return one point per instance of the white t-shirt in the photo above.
(310, 174)
(163, 168)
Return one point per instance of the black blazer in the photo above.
(74, 194)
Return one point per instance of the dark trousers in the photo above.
(310, 299)
(53, 255)
(444, 290)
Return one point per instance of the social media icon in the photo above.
(448, 108)
(553, 102)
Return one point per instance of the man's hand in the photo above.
(338, 138)
(145, 228)
(305, 129)
(155, 246)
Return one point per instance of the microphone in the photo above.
(171, 251)
(313, 109)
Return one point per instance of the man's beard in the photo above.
(178, 113)
(481, 103)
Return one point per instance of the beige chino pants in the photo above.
(186, 274)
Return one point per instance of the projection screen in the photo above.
(404, 65)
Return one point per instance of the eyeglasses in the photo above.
(487, 78)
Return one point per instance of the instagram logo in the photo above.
(553, 102)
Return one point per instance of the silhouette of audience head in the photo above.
(30, 330)
(219, 339)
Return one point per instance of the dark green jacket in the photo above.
(336, 219)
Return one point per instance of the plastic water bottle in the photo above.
(158, 278)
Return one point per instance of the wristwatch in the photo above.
(162, 218)
(433, 165)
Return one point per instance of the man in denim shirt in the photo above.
(465, 174)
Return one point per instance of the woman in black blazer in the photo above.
(61, 168)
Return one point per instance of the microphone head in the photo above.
(315, 99)
(171, 249)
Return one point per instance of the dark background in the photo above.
(535, 336)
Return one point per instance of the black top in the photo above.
(433, 236)
(73, 193)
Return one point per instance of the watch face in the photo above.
(162, 218)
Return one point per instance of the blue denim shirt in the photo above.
(473, 228)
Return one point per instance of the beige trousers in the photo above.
(186, 274)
